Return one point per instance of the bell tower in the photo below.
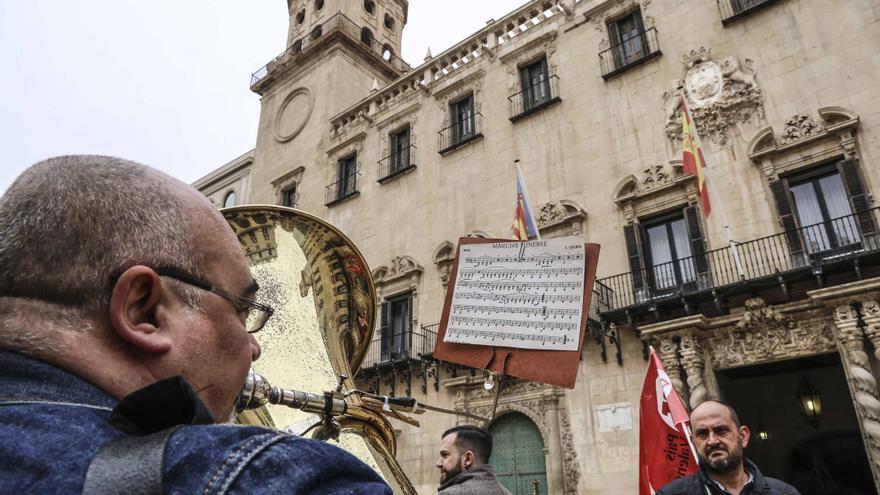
(337, 50)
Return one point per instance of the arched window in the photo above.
(518, 454)
(229, 199)
(389, 22)
(387, 52)
(366, 36)
(370, 6)
(319, 4)
(317, 32)
(300, 17)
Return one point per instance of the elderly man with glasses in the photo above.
(126, 314)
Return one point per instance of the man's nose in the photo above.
(256, 350)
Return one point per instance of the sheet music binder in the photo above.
(551, 367)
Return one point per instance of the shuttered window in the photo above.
(395, 327)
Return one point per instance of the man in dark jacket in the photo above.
(126, 310)
(719, 439)
(464, 453)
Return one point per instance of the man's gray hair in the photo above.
(69, 223)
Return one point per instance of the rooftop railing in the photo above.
(338, 23)
(806, 249)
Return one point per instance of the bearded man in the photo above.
(719, 439)
(463, 464)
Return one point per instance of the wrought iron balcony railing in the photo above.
(342, 189)
(414, 344)
(396, 164)
(460, 133)
(338, 23)
(534, 98)
(808, 250)
(632, 50)
(732, 10)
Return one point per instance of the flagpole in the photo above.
(713, 192)
(526, 194)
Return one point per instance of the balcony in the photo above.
(417, 344)
(630, 52)
(533, 98)
(836, 251)
(461, 133)
(338, 24)
(396, 164)
(342, 190)
(732, 10)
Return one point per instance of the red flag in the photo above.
(692, 161)
(665, 451)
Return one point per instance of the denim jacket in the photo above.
(52, 424)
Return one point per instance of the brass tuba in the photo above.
(325, 310)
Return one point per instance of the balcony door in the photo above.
(627, 37)
(535, 84)
(670, 254)
(824, 214)
(395, 326)
(462, 119)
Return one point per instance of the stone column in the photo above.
(862, 384)
(667, 351)
(555, 481)
(692, 360)
(871, 317)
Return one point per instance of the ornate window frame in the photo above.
(286, 182)
(403, 275)
(661, 187)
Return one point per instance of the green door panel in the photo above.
(518, 454)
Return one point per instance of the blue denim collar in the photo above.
(24, 379)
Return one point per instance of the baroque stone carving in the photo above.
(400, 266)
(764, 334)
(667, 351)
(556, 213)
(862, 383)
(871, 316)
(569, 455)
(692, 359)
(798, 127)
(443, 257)
(719, 95)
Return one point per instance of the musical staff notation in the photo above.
(519, 294)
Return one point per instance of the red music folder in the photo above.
(551, 367)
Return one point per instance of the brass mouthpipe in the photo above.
(257, 392)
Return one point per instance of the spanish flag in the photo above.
(524, 225)
(692, 160)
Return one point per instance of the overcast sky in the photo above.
(162, 82)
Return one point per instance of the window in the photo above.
(395, 327)
(229, 200)
(370, 6)
(288, 196)
(669, 253)
(400, 158)
(462, 119)
(389, 22)
(824, 212)
(535, 84)
(366, 36)
(347, 175)
(300, 17)
(319, 4)
(627, 37)
(387, 52)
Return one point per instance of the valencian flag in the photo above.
(665, 450)
(692, 160)
(524, 225)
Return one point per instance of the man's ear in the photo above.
(468, 459)
(745, 433)
(134, 302)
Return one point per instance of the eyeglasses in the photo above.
(258, 314)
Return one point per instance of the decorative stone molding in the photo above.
(804, 140)
(561, 218)
(396, 122)
(570, 463)
(692, 359)
(403, 275)
(482, 234)
(542, 46)
(660, 186)
(720, 95)
(764, 334)
(443, 257)
(667, 351)
(292, 118)
(862, 383)
(871, 317)
(603, 13)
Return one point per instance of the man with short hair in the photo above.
(126, 312)
(719, 439)
(463, 464)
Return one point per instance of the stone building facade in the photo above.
(585, 93)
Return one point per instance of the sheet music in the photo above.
(519, 294)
